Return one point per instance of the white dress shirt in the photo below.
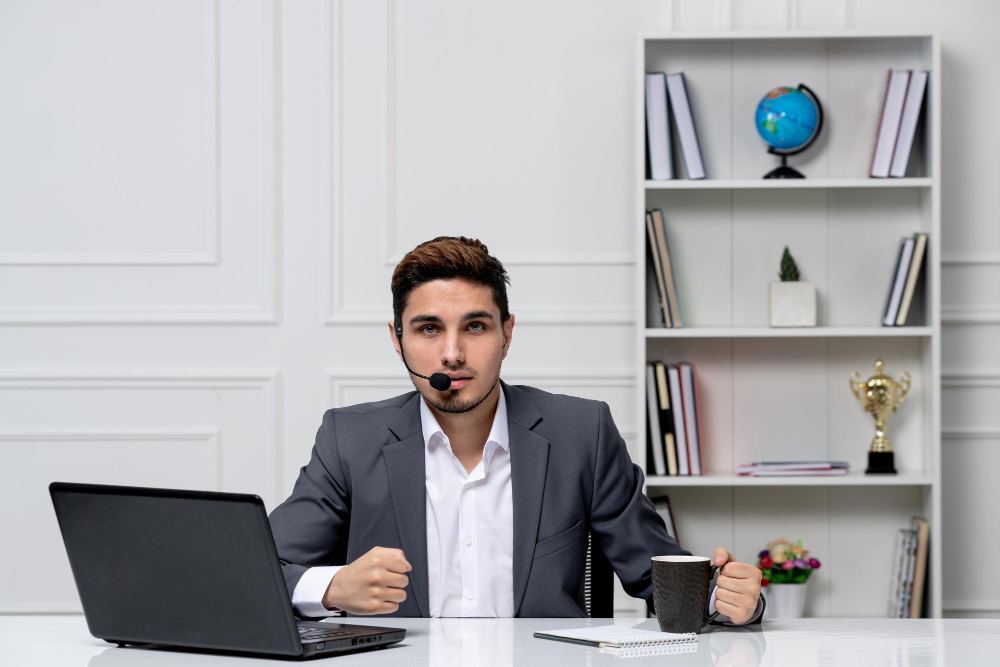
(470, 531)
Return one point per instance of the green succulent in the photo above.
(789, 271)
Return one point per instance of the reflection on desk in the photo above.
(47, 641)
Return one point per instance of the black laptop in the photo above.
(193, 569)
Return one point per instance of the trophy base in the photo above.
(881, 463)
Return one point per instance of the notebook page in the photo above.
(619, 635)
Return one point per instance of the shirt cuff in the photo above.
(307, 598)
(722, 618)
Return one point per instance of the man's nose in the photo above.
(452, 354)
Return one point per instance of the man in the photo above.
(474, 500)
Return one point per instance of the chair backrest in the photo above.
(598, 583)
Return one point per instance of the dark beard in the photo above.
(459, 407)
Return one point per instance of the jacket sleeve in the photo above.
(627, 527)
(311, 527)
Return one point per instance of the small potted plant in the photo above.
(792, 302)
(786, 568)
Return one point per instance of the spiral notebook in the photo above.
(617, 636)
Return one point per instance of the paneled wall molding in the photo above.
(961, 379)
(265, 381)
(966, 258)
(333, 258)
(210, 437)
(971, 434)
(266, 312)
(967, 315)
(972, 605)
(213, 161)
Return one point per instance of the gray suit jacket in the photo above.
(570, 474)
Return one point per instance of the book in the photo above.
(689, 388)
(898, 283)
(765, 472)
(896, 581)
(792, 465)
(911, 277)
(680, 434)
(889, 119)
(654, 248)
(922, 529)
(655, 432)
(617, 636)
(666, 416)
(662, 505)
(663, 244)
(658, 128)
(908, 123)
(687, 134)
(907, 581)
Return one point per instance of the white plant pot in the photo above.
(792, 303)
(785, 600)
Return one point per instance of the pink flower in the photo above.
(813, 563)
(788, 565)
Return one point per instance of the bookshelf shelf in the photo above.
(776, 332)
(788, 184)
(783, 394)
(853, 478)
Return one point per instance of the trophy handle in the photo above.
(903, 388)
(856, 383)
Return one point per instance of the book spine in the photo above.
(658, 128)
(656, 433)
(897, 286)
(678, 408)
(911, 278)
(908, 123)
(687, 134)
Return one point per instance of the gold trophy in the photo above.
(880, 395)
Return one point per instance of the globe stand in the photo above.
(784, 171)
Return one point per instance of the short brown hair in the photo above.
(448, 257)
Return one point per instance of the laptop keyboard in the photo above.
(320, 634)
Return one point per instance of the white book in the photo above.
(687, 134)
(680, 437)
(911, 557)
(691, 416)
(896, 295)
(889, 119)
(908, 123)
(656, 433)
(832, 472)
(658, 127)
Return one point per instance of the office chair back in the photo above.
(598, 583)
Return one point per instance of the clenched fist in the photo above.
(373, 584)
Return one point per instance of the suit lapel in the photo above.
(529, 456)
(404, 465)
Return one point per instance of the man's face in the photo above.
(453, 327)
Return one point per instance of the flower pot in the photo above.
(792, 303)
(785, 600)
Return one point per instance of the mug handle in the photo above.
(711, 617)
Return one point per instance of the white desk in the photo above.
(64, 641)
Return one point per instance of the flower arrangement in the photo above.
(785, 563)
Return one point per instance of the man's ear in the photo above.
(508, 334)
(395, 339)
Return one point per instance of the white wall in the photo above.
(202, 203)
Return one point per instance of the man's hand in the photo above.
(373, 584)
(737, 588)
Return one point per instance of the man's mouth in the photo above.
(458, 380)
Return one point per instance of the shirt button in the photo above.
(469, 595)
(468, 540)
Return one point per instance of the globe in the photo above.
(789, 120)
(786, 118)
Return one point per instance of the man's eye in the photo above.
(477, 326)
(427, 328)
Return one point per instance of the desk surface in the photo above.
(64, 641)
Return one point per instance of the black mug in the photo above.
(680, 592)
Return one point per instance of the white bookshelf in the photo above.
(784, 393)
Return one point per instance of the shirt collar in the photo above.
(499, 434)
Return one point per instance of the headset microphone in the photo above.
(439, 381)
